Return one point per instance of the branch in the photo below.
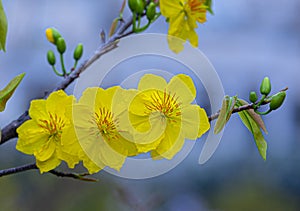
(31, 166)
(9, 131)
(241, 108)
(18, 169)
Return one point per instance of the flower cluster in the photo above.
(183, 16)
(105, 126)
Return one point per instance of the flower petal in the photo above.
(150, 81)
(48, 165)
(183, 87)
(190, 121)
(38, 110)
(170, 145)
(57, 102)
(31, 137)
(204, 122)
(170, 8)
(46, 151)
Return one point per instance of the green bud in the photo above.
(277, 100)
(51, 58)
(78, 52)
(151, 11)
(137, 6)
(253, 97)
(265, 87)
(61, 45)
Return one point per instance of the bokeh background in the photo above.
(244, 40)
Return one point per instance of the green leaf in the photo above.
(256, 117)
(3, 27)
(8, 91)
(254, 128)
(225, 113)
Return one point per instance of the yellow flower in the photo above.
(41, 136)
(163, 116)
(183, 16)
(95, 129)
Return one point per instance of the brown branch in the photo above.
(241, 108)
(32, 166)
(18, 169)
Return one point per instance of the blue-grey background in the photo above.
(244, 40)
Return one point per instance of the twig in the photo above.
(32, 166)
(241, 108)
(18, 169)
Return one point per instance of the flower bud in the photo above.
(52, 35)
(253, 97)
(78, 52)
(265, 87)
(137, 6)
(51, 58)
(277, 100)
(61, 45)
(151, 11)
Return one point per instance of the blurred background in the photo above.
(244, 40)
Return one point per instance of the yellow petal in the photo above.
(193, 38)
(57, 101)
(38, 110)
(91, 166)
(154, 82)
(170, 8)
(69, 142)
(48, 165)
(170, 145)
(31, 137)
(46, 151)
(183, 87)
(190, 121)
(71, 160)
(204, 122)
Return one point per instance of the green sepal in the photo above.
(208, 3)
(8, 91)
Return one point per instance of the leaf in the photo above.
(8, 91)
(254, 128)
(256, 117)
(225, 113)
(113, 27)
(3, 27)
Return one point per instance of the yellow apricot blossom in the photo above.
(41, 135)
(162, 115)
(95, 130)
(183, 16)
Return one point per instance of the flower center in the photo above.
(53, 125)
(165, 103)
(196, 6)
(106, 123)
